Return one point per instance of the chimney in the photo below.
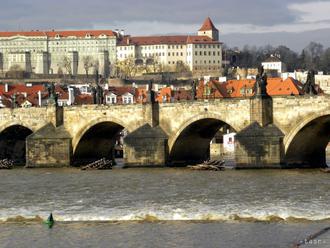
(24, 94)
(134, 85)
(156, 87)
(106, 86)
(122, 32)
(127, 41)
(6, 88)
(39, 98)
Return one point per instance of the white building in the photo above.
(80, 52)
(58, 51)
(200, 53)
(273, 63)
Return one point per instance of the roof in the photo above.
(21, 88)
(233, 88)
(52, 34)
(272, 59)
(208, 25)
(119, 91)
(165, 40)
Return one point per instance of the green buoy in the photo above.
(50, 221)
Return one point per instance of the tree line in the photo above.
(313, 56)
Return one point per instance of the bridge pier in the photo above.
(260, 145)
(51, 145)
(148, 145)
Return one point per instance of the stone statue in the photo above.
(14, 101)
(52, 96)
(94, 95)
(99, 94)
(51, 91)
(151, 93)
(193, 90)
(309, 86)
(261, 82)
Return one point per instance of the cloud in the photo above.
(61, 14)
(171, 16)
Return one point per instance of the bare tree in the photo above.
(66, 63)
(88, 63)
(181, 67)
(126, 68)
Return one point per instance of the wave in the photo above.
(152, 217)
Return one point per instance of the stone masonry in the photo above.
(285, 120)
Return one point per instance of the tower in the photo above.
(208, 29)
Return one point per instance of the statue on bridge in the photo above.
(97, 91)
(52, 96)
(193, 90)
(261, 83)
(309, 86)
(151, 93)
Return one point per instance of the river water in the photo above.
(164, 208)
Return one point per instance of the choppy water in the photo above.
(226, 205)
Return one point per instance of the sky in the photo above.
(247, 18)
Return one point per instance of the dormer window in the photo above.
(88, 36)
(57, 36)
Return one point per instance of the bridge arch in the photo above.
(305, 144)
(13, 142)
(97, 139)
(82, 130)
(190, 143)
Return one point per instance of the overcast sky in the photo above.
(163, 17)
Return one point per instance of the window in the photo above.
(111, 99)
(127, 99)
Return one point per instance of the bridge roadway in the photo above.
(271, 132)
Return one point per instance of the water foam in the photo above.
(164, 214)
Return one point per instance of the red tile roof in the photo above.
(21, 88)
(83, 100)
(52, 34)
(166, 40)
(208, 25)
(81, 33)
(246, 88)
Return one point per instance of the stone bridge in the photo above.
(271, 132)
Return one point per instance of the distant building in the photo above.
(53, 52)
(201, 53)
(273, 63)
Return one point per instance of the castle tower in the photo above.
(208, 29)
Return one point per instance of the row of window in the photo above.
(210, 68)
(205, 62)
(205, 53)
(112, 99)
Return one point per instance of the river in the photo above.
(163, 207)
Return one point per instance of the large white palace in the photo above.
(77, 52)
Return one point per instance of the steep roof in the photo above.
(208, 25)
